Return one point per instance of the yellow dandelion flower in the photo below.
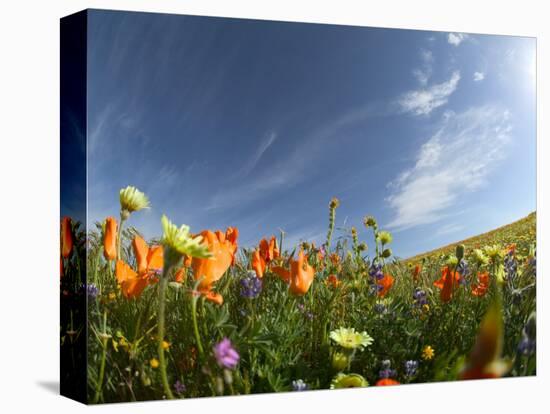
(428, 353)
(154, 363)
(165, 345)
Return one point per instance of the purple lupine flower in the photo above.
(91, 290)
(387, 371)
(528, 343)
(510, 266)
(375, 271)
(299, 385)
(463, 269)
(251, 286)
(411, 367)
(226, 355)
(419, 297)
(179, 387)
(527, 346)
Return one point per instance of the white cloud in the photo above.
(456, 38)
(479, 76)
(424, 73)
(265, 143)
(425, 100)
(455, 161)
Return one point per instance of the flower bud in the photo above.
(340, 361)
(459, 252)
(386, 253)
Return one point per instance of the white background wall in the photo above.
(29, 202)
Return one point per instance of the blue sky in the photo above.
(257, 124)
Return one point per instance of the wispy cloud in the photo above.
(479, 76)
(425, 100)
(456, 160)
(265, 143)
(456, 39)
(291, 167)
(424, 73)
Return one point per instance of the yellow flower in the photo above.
(385, 237)
(349, 339)
(348, 381)
(334, 203)
(112, 296)
(165, 344)
(154, 363)
(428, 353)
(181, 240)
(131, 199)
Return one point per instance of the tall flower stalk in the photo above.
(176, 242)
(333, 205)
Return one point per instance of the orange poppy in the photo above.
(213, 297)
(416, 272)
(485, 359)
(66, 237)
(384, 285)
(333, 281)
(301, 275)
(130, 282)
(109, 239)
(269, 250)
(480, 289)
(447, 283)
(149, 261)
(387, 381)
(223, 249)
(281, 272)
(258, 263)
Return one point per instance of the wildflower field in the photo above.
(193, 314)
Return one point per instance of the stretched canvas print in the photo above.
(258, 206)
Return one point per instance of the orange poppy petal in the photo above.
(155, 259)
(141, 250)
(124, 272)
(110, 239)
(132, 288)
(282, 272)
(213, 297)
(66, 237)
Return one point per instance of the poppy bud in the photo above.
(386, 253)
(459, 252)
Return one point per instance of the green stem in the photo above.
(119, 236)
(160, 336)
(195, 324)
(99, 384)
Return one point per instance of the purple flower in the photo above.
(91, 290)
(387, 371)
(410, 368)
(463, 268)
(179, 387)
(527, 346)
(225, 354)
(419, 297)
(299, 385)
(251, 286)
(375, 271)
